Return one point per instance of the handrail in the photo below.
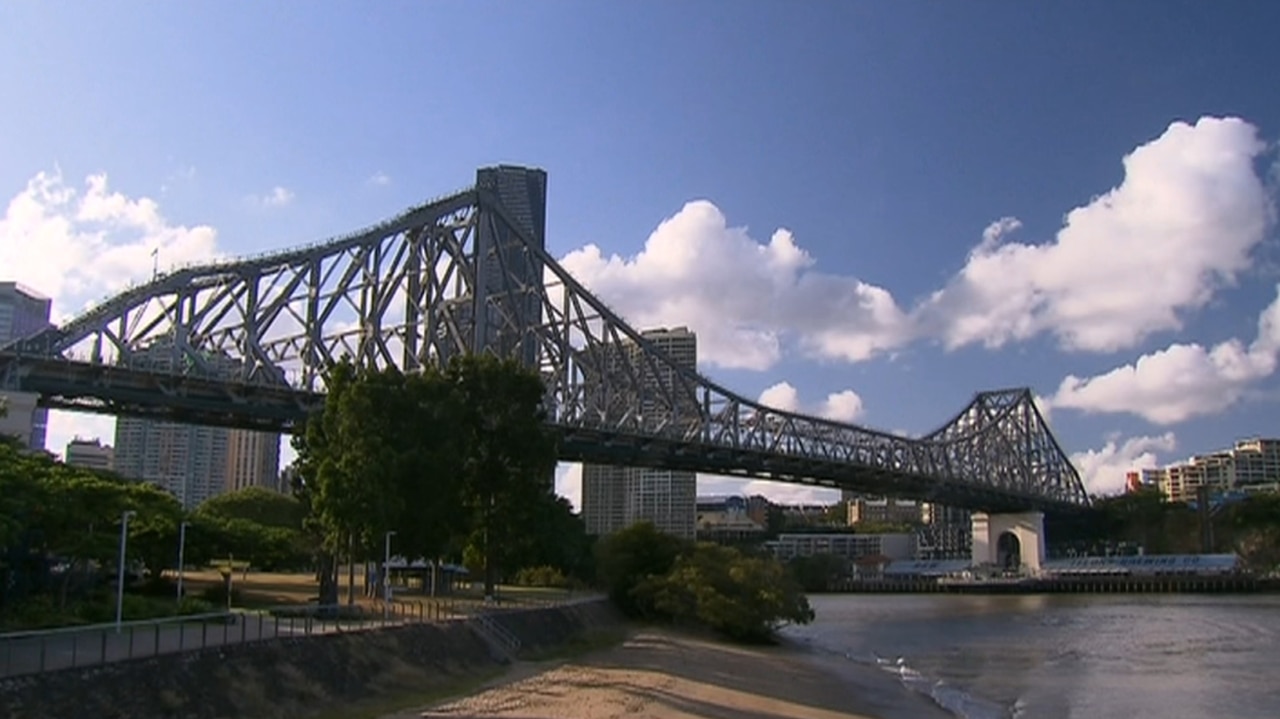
(110, 626)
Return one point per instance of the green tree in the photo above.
(746, 598)
(428, 467)
(258, 505)
(348, 455)
(630, 557)
(508, 454)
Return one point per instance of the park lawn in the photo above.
(257, 590)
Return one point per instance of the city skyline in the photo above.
(856, 222)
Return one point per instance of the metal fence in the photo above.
(34, 652)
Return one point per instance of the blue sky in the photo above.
(885, 138)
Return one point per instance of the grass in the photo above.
(258, 590)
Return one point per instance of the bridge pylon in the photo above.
(1011, 541)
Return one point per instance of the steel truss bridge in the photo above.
(246, 342)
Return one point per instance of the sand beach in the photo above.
(663, 674)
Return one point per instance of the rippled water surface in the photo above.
(1051, 657)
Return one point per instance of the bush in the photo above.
(38, 612)
(156, 585)
(744, 598)
(543, 576)
(628, 558)
(192, 605)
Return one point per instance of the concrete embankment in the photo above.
(297, 677)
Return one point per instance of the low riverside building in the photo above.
(1155, 565)
(725, 520)
(890, 547)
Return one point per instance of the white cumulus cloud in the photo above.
(745, 299)
(842, 406)
(1182, 380)
(776, 492)
(1103, 470)
(1183, 223)
(78, 245)
(379, 179)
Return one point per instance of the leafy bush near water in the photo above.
(655, 576)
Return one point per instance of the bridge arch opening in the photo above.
(1009, 551)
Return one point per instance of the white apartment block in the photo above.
(1252, 465)
(90, 454)
(847, 546)
(614, 498)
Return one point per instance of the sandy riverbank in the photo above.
(666, 675)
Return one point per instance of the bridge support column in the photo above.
(1014, 541)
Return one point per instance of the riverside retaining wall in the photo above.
(294, 677)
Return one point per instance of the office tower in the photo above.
(90, 454)
(508, 280)
(193, 463)
(23, 312)
(616, 497)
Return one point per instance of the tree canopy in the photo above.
(447, 459)
(656, 576)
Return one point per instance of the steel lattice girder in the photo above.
(466, 274)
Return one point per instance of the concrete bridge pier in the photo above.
(1009, 541)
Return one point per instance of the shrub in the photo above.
(630, 557)
(543, 576)
(745, 598)
(216, 595)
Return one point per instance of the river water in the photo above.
(1058, 656)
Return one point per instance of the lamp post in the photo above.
(124, 540)
(386, 574)
(182, 546)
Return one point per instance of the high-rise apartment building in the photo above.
(193, 463)
(23, 312)
(616, 497)
(90, 454)
(1252, 465)
(253, 460)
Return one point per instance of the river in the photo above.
(1059, 656)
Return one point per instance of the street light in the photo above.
(182, 545)
(124, 540)
(386, 574)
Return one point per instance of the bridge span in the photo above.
(246, 343)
